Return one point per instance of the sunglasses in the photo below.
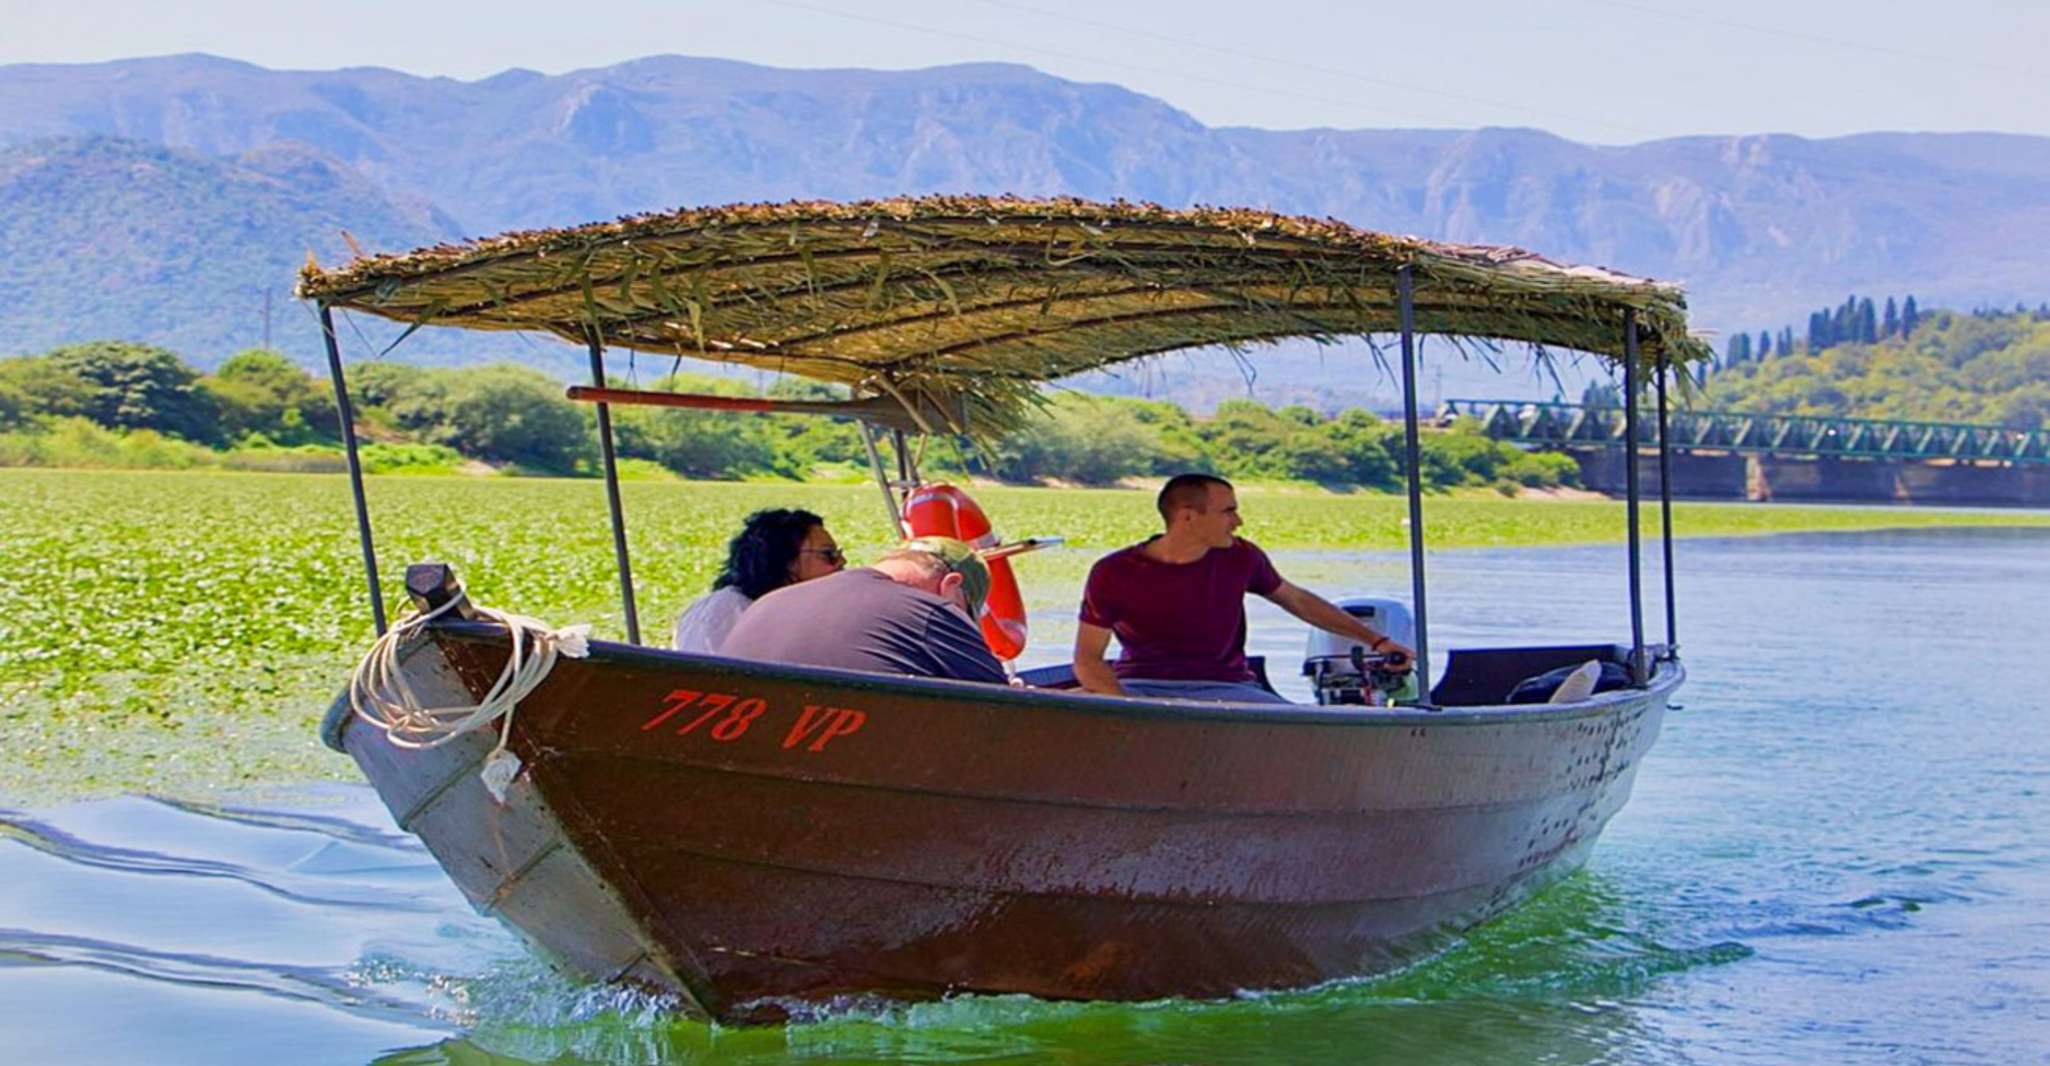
(831, 555)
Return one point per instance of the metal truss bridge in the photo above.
(1563, 425)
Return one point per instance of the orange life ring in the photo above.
(941, 510)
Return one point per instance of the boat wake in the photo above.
(320, 912)
(312, 924)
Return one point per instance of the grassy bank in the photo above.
(180, 631)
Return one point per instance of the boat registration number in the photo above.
(727, 716)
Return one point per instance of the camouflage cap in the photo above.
(960, 558)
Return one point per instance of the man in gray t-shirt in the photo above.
(910, 613)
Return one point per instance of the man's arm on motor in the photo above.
(1090, 668)
(1328, 616)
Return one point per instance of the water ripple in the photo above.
(339, 987)
(309, 880)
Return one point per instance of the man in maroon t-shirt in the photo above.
(1176, 603)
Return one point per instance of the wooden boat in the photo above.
(751, 837)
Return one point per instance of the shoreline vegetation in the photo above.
(181, 632)
(122, 405)
(175, 617)
(119, 405)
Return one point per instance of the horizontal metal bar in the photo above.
(885, 411)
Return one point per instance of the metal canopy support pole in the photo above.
(1638, 674)
(905, 475)
(875, 463)
(626, 574)
(1412, 453)
(1666, 509)
(347, 414)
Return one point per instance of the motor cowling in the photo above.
(1345, 671)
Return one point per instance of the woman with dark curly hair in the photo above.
(774, 548)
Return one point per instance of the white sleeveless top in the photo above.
(703, 625)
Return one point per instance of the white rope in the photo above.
(380, 694)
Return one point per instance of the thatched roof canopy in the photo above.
(981, 299)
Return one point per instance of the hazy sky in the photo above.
(1612, 71)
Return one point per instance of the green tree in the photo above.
(1313, 453)
(1476, 457)
(44, 388)
(1541, 469)
(2026, 408)
(504, 413)
(141, 386)
(1244, 438)
(261, 391)
(1366, 443)
(1300, 414)
(1985, 368)
(378, 384)
(1738, 350)
(1441, 467)
(1178, 443)
(1080, 438)
(700, 444)
(802, 442)
(710, 444)
(16, 409)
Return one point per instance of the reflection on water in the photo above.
(1838, 852)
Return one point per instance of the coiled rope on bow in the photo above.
(380, 694)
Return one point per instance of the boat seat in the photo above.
(1544, 688)
(1486, 677)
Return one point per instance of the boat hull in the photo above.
(749, 836)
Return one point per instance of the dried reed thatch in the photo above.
(969, 303)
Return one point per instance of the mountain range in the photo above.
(157, 199)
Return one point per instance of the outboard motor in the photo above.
(1345, 671)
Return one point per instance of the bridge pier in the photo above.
(1696, 475)
(2011, 486)
(1773, 477)
(1730, 476)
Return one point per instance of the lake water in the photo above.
(1839, 851)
